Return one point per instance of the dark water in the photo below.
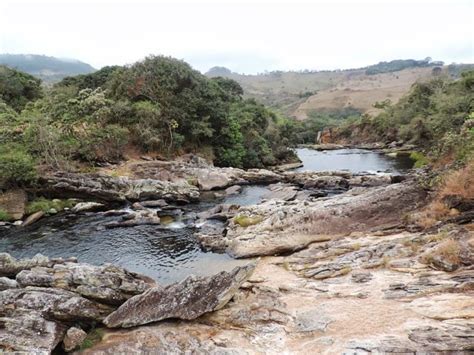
(250, 195)
(167, 254)
(354, 160)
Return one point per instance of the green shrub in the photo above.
(246, 221)
(419, 159)
(4, 216)
(93, 337)
(44, 205)
(101, 144)
(17, 167)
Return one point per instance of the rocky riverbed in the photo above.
(335, 265)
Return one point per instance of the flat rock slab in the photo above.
(187, 299)
(445, 306)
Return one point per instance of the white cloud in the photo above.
(248, 36)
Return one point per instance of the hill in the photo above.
(298, 94)
(48, 69)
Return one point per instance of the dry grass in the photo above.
(448, 250)
(460, 183)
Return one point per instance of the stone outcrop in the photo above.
(143, 216)
(187, 299)
(106, 188)
(33, 318)
(10, 266)
(41, 298)
(13, 202)
(107, 284)
(289, 226)
(73, 338)
(284, 306)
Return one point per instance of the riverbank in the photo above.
(321, 253)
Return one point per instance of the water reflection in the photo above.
(353, 160)
(166, 254)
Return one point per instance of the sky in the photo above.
(245, 36)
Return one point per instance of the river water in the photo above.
(353, 160)
(166, 253)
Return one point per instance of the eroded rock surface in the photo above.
(108, 284)
(187, 299)
(289, 226)
(284, 308)
(115, 189)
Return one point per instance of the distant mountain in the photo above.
(48, 69)
(219, 71)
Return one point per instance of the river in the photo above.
(166, 253)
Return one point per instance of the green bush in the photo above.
(18, 88)
(17, 167)
(245, 221)
(103, 144)
(45, 205)
(419, 159)
(4, 216)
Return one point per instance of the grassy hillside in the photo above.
(437, 116)
(48, 69)
(299, 94)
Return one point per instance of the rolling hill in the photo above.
(48, 69)
(297, 94)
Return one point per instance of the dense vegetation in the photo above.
(306, 131)
(159, 105)
(400, 64)
(437, 116)
(17, 88)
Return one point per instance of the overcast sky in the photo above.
(245, 36)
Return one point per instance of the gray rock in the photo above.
(9, 266)
(361, 276)
(33, 218)
(187, 299)
(281, 192)
(87, 206)
(114, 189)
(29, 332)
(307, 222)
(74, 338)
(312, 320)
(154, 203)
(233, 190)
(447, 337)
(33, 317)
(107, 284)
(137, 218)
(6, 283)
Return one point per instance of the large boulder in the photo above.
(34, 318)
(187, 299)
(13, 202)
(73, 338)
(107, 284)
(10, 266)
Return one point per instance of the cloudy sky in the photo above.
(245, 36)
